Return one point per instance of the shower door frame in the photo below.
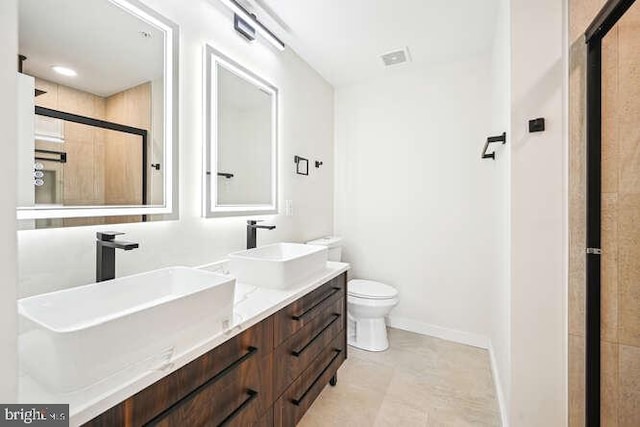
(606, 19)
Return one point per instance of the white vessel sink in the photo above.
(277, 266)
(113, 331)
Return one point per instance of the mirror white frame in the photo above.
(211, 209)
(171, 84)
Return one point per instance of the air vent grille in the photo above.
(396, 57)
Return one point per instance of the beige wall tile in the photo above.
(577, 268)
(577, 116)
(629, 392)
(609, 384)
(50, 98)
(576, 380)
(610, 112)
(78, 173)
(581, 13)
(629, 269)
(79, 222)
(98, 166)
(75, 101)
(609, 267)
(577, 180)
(123, 153)
(629, 101)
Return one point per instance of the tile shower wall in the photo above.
(620, 329)
(621, 223)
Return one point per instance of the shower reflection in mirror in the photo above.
(96, 113)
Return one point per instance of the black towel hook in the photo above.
(501, 138)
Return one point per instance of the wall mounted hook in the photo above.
(318, 163)
(500, 138)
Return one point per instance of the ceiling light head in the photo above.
(243, 28)
(250, 19)
(145, 34)
(65, 71)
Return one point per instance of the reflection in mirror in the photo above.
(96, 113)
(241, 140)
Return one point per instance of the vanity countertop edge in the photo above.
(251, 305)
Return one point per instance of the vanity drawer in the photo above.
(241, 398)
(297, 314)
(296, 353)
(220, 366)
(297, 399)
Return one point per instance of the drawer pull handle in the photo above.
(304, 314)
(252, 395)
(334, 317)
(217, 377)
(298, 401)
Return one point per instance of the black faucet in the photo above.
(106, 254)
(251, 232)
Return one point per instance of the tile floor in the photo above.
(419, 381)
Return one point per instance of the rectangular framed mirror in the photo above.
(241, 134)
(98, 117)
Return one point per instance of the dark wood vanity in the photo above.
(268, 375)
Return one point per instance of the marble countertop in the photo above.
(251, 305)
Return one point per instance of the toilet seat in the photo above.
(369, 289)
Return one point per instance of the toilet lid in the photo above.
(370, 290)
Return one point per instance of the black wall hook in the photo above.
(318, 163)
(501, 138)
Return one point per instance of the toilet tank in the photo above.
(333, 244)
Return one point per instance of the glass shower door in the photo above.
(613, 257)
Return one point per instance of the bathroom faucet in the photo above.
(251, 232)
(106, 254)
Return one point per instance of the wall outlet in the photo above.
(288, 207)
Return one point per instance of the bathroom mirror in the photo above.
(240, 169)
(97, 110)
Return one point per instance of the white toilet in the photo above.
(368, 303)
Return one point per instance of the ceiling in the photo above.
(96, 38)
(343, 39)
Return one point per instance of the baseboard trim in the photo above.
(502, 407)
(454, 335)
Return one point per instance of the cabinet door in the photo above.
(295, 401)
(297, 314)
(296, 353)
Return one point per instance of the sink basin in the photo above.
(115, 330)
(277, 266)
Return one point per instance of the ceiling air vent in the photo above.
(396, 57)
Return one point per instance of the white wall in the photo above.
(417, 206)
(500, 294)
(59, 258)
(8, 124)
(538, 215)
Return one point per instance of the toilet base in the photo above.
(368, 334)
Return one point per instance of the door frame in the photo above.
(606, 19)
